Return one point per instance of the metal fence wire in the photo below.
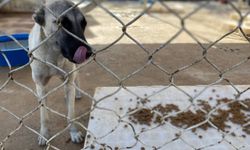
(208, 118)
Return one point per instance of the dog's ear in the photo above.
(39, 16)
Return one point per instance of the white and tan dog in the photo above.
(62, 50)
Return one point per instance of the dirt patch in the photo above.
(142, 116)
(147, 116)
(188, 119)
(237, 112)
(204, 105)
(165, 110)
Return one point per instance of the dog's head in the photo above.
(73, 21)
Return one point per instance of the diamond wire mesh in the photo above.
(120, 81)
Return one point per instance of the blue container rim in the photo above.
(13, 49)
(19, 36)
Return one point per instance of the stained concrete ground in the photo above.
(123, 58)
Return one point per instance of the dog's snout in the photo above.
(89, 54)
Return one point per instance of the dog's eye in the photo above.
(56, 22)
(66, 23)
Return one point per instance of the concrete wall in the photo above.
(21, 6)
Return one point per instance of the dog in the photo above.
(62, 50)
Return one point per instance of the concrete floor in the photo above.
(123, 58)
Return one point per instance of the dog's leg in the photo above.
(76, 136)
(44, 133)
(77, 82)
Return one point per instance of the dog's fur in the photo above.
(59, 51)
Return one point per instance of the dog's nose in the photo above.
(89, 53)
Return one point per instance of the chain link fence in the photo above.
(207, 114)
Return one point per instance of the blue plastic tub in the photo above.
(16, 55)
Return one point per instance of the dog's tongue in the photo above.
(80, 55)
